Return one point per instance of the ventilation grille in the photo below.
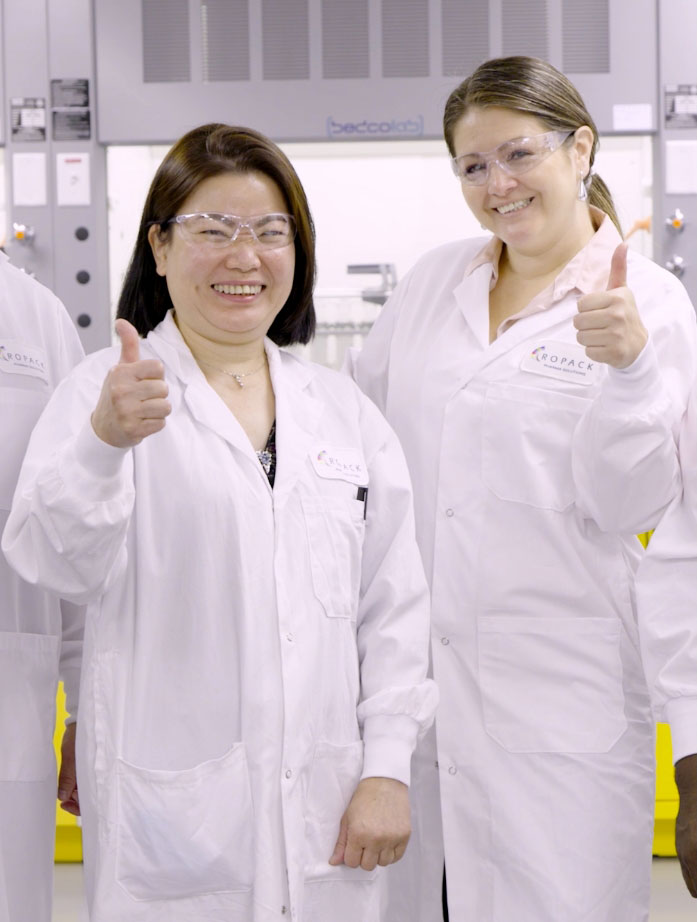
(345, 39)
(586, 37)
(166, 56)
(225, 40)
(525, 27)
(405, 38)
(465, 36)
(285, 40)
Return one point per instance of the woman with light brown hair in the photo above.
(537, 379)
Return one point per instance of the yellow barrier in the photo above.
(68, 833)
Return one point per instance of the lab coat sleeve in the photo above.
(370, 367)
(666, 587)
(67, 528)
(398, 701)
(624, 452)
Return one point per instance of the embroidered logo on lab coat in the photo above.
(339, 464)
(564, 361)
(18, 359)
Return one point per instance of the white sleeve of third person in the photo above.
(67, 528)
(666, 586)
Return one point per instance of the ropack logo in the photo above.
(369, 128)
(21, 359)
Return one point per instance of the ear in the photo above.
(160, 247)
(583, 147)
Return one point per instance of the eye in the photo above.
(519, 153)
(272, 227)
(471, 169)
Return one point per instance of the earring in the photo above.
(582, 190)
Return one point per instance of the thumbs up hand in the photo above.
(608, 322)
(133, 402)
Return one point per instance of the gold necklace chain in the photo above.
(237, 375)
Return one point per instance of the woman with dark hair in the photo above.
(537, 379)
(239, 523)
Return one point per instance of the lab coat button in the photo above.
(445, 641)
(289, 773)
(453, 770)
(283, 910)
(289, 638)
(450, 513)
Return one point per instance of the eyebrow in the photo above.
(479, 153)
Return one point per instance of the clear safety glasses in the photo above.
(267, 231)
(514, 157)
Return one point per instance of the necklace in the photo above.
(237, 375)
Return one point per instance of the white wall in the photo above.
(372, 202)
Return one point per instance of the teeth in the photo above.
(513, 206)
(238, 289)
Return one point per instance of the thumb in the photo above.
(130, 341)
(618, 268)
(340, 847)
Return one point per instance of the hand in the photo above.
(67, 779)
(686, 823)
(608, 321)
(376, 826)
(132, 404)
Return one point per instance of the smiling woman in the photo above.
(538, 378)
(180, 487)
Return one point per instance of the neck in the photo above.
(551, 260)
(240, 356)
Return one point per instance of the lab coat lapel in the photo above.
(472, 298)
(202, 401)
(298, 415)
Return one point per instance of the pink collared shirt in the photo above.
(587, 272)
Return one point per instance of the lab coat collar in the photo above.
(297, 411)
(472, 299)
(203, 402)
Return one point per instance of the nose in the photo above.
(499, 180)
(242, 253)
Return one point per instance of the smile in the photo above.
(513, 206)
(238, 289)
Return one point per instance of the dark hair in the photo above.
(536, 88)
(212, 150)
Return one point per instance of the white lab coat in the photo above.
(530, 483)
(249, 654)
(667, 601)
(38, 346)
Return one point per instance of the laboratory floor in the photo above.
(670, 901)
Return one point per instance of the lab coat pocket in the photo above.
(28, 680)
(526, 444)
(335, 773)
(335, 530)
(185, 833)
(19, 411)
(551, 684)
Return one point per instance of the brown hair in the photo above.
(211, 150)
(533, 87)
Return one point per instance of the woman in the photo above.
(536, 379)
(239, 523)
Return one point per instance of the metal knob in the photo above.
(676, 265)
(23, 233)
(676, 221)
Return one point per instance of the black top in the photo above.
(267, 456)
